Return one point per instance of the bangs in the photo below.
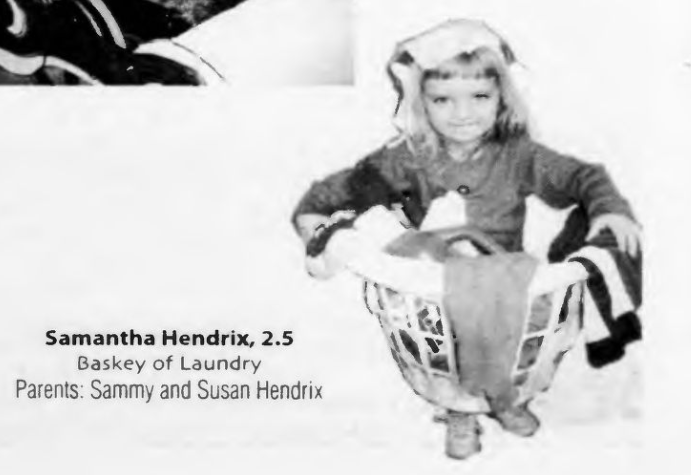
(481, 63)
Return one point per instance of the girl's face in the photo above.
(461, 109)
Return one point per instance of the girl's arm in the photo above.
(314, 213)
(378, 179)
(308, 226)
(321, 200)
(561, 181)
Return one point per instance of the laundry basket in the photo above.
(423, 344)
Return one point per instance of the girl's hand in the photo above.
(626, 231)
(309, 226)
(341, 215)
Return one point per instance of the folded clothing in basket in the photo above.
(610, 319)
(614, 287)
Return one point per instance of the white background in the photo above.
(151, 209)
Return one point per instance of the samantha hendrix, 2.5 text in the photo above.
(168, 338)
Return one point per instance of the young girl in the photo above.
(464, 145)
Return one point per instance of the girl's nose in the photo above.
(462, 110)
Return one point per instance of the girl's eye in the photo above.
(482, 95)
(440, 100)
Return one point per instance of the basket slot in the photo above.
(530, 351)
(540, 312)
(564, 310)
(540, 351)
(520, 378)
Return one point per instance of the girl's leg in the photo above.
(440, 415)
(518, 420)
(462, 435)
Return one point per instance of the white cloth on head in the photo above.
(434, 46)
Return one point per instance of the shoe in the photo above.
(462, 435)
(518, 420)
(440, 415)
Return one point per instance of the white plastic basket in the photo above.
(423, 345)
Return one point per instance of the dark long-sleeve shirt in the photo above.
(495, 186)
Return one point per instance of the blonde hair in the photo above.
(482, 62)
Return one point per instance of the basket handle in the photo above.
(485, 244)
